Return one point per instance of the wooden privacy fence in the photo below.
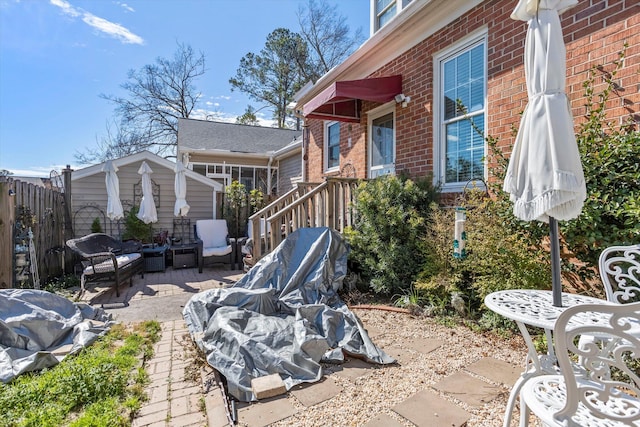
(34, 214)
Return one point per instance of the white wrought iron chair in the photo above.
(605, 390)
(620, 273)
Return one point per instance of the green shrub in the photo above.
(609, 156)
(235, 208)
(60, 283)
(135, 229)
(387, 239)
(610, 153)
(496, 257)
(96, 227)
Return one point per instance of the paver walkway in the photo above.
(178, 397)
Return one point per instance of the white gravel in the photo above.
(381, 389)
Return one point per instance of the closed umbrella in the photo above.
(544, 176)
(180, 186)
(147, 212)
(114, 206)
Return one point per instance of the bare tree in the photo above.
(118, 142)
(328, 37)
(158, 95)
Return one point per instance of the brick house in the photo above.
(389, 108)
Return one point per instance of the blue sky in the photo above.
(58, 56)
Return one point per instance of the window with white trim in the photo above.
(332, 146)
(253, 177)
(382, 141)
(461, 95)
(384, 10)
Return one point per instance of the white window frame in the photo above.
(439, 125)
(389, 168)
(375, 14)
(327, 125)
(226, 175)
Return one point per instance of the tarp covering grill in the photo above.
(38, 329)
(341, 100)
(283, 317)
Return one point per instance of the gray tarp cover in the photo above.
(283, 317)
(38, 328)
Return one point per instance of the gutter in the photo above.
(418, 21)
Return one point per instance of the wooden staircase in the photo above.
(327, 204)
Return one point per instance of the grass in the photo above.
(102, 385)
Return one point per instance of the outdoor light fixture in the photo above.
(402, 98)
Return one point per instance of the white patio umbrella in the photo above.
(147, 212)
(180, 186)
(114, 206)
(545, 177)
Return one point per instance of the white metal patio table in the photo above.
(534, 308)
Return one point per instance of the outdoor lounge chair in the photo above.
(214, 245)
(106, 259)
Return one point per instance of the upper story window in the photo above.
(384, 10)
(332, 146)
(460, 122)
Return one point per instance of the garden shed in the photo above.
(89, 194)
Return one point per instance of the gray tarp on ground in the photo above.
(38, 329)
(284, 316)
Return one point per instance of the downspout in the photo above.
(269, 175)
(305, 156)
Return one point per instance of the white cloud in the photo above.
(110, 28)
(66, 8)
(218, 116)
(126, 7)
(39, 171)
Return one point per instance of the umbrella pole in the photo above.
(555, 262)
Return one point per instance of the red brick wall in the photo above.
(594, 32)
(354, 154)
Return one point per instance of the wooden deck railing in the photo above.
(328, 204)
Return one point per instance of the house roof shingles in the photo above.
(208, 135)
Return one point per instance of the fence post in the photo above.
(7, 220)
(68, 232)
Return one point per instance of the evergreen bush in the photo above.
(235, 208)
(96, 227)
(135, 229)
(388, 237)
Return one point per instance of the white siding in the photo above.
(289, 172)
(91, 190)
